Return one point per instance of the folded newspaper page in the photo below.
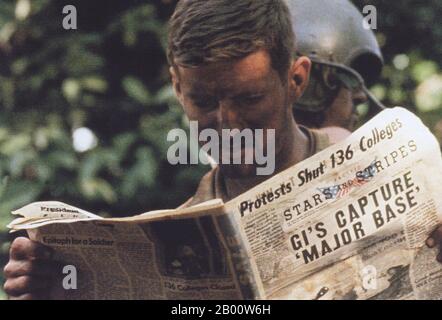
(348, 223)
(167, 254)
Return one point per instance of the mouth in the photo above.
(244, 154)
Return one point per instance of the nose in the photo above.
(228, 116)
(359, 97)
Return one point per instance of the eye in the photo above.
(206, 103)
(249, 100)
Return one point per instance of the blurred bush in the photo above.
(85, 113)
(410, 36)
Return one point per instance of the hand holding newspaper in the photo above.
(348, 223)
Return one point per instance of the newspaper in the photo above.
(351, 221)
(348, 223)
(167, 254)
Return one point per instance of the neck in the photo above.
(295, 148)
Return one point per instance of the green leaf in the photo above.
(94, 83)
(142, 174)
(98, 189)
(15, 143)
(424, 70)
(136, 90)
(15, 195)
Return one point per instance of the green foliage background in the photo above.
(111, 76)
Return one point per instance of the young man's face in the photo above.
(240, 94)
(342, 111)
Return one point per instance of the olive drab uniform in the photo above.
(212, 185)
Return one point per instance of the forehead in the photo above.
(252, 71)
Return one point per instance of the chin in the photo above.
(238, 170)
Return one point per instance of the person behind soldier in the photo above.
(345, 58)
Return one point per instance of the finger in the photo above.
(439, 257)
(17, 268)
(25, 284)
(37, 295)
(435, 237)
(430, 242)
(22, 248)
(26, 296)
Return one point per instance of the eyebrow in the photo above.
(249, 93)
(245, 94)
(201, 93)
(198, 96)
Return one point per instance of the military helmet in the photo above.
(331, 33)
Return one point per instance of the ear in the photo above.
(299, 74)
(176, 84)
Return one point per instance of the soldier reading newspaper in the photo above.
(349, 222)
